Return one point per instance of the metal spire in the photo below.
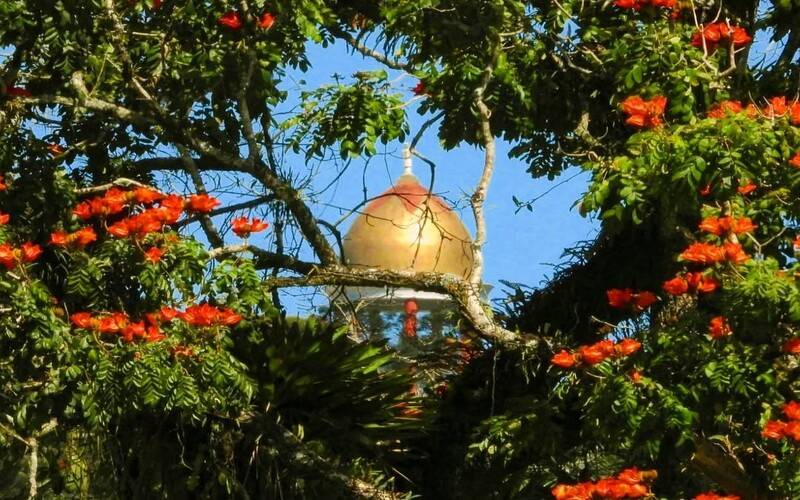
(407, 163)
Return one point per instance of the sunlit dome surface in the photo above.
(408, 228)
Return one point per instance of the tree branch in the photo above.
(263, 259)
(466, 296)
(479, 195)
(341, 34)
(723, 468)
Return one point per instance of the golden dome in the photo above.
(408, 228)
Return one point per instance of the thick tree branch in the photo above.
(263, 259)
(212, 233)
(479, 195)
(464, 293)
(283, 190)
(724, 469)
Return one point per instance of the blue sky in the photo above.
(521, 246)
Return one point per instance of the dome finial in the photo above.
(407, 163)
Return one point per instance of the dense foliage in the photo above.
(140, 361)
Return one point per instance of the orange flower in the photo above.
(773, 429)
(153, 254)
(266, 21)
(635, 376)
(721, 225)
(592, 354)
(244, 228)
(791, 410)
(795, 161)
(4, 218)
(30, 252)
(55, 149)
(714, 496)
(791, 346)
(83, 320)
(794, 113)
(747, 188)
(3, 185)
(734, 253)
(228, 318)
(711, 225)
(231, 20)
(643, 300)
(702, 283)
(718, 327)
(202, 203)
(146, 196)
(776, 107)
(154, 334)
(119, 229)
(792, 430)
(703, 253)
(724, 108)
(644, 114)
(7, 257)
(133, 331)
(741, 225)
(638, 4)
(628, 4)
(207, 315)
(419, 89)
(113, 323)
(79, 238)
(676, 286)
(715, 33)
(619, 298)
(563, 359)
(705, 190)
(627, 347)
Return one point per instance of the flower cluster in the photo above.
(630, 483)
(642, 113)
(714, 34)
(715, 496)
(626, 298)
(11, 257)
(720, 226)
(233, 20)
(731, 107)
(117, 323)
(4, 218)
(779, 429)
(159, 210)
(708, 254)
(244, 227)
(207, 315)
(595, 353)
(747, 188)
(639, 4)
(114, 201)
(3, 184)
(776, 107)
(690, 282)
(718, 327)
(78, 239)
